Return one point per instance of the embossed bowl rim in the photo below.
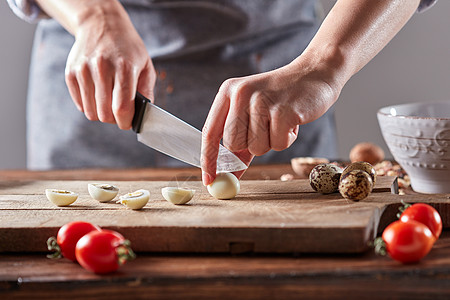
(386, 111)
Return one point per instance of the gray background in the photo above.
(414, 67)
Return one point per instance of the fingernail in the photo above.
(206, 178)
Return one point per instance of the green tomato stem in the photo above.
(124, 252)
(52, 245)
(402, 208)
(380, 246)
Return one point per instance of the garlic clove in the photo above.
(135, 200)
(225, 186)
(61, 197)
(103, 192)
(177, 195)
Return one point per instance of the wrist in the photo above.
(104, 13)
(329, 62)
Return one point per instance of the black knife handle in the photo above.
(140, 103)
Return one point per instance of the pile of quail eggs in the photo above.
(355, 182)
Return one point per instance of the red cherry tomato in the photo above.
(67, 238)
(408, 242)
(103, 251)
(424, 214)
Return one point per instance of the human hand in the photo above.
(107, 64)
(262, 112)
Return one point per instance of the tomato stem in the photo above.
(402, 208)
(124, 252)
(380, 246)
(52, 245)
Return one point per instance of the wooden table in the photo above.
(189, 276)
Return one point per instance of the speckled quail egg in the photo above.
(177, 195)
(225, 186)
(61, 197)
(102, 192)
(135, 200)
(362, 165)
(324, 178)
(355, 185)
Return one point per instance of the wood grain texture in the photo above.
(254, 172)
(266, 217)
(363, 276)
(219, 276)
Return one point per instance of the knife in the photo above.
(170, 135)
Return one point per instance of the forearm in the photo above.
(76, 14)
(353, 33)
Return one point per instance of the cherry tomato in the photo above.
(67, 238)
(424, 214)
(408, 242)
(103, 251)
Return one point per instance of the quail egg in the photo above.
(324, 178)
(135, 200)
(362, 165)
(102, 192)
(225, 186)
(355, 185)
(177, 195)
(61, 197)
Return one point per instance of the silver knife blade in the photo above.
(172, 136)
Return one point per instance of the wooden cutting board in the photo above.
(266, 217)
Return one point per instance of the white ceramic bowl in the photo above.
(418, 136)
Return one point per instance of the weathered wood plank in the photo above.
(254, 172)
(267, 216)
(224, 277)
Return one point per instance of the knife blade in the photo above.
(172, 136)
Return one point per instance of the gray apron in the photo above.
(195, 46)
